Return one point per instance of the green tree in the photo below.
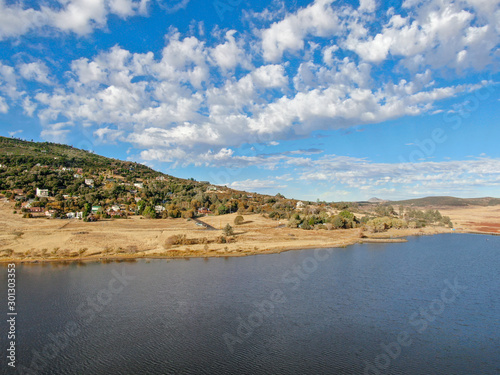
(149, 212)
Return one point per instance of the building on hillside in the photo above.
(76, 175)
(204, 211)
(42, 192)
(27, 204)
(159, 209)
(139, 185)
(96, 209)
(50, 213)
(35, 209)
(300, 205)
(89, 182)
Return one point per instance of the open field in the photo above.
(474, 218)
(53, 239)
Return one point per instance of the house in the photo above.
(212, 188)
(50, 213)
(95, 208)
(137, 199)
(115, 208)
(89, 182)
(79, 170)
(160, 178)
(159, 208)
(42, 192)
(139, 185)
(35, 209)
(74, 215)
(26, 204)
(77, 175)
(300, 205)
(18, 191)
(204, 211)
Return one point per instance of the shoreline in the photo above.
(217, 254)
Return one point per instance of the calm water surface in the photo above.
(300, 312)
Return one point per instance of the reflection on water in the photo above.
(429, 306)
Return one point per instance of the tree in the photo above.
(221, 210)
(228, 230)
(149, 212)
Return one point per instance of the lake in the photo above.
(428, 306)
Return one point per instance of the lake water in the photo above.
(429, 306)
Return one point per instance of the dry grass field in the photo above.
(474, 218)
(41, 239)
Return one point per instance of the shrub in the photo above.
(238, 220)
(228, 230)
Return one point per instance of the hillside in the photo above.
(448, 201)
(64, 180)
(59, 181)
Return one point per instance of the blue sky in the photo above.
(336, 100)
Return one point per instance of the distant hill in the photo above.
(449, 201)
(376, 200)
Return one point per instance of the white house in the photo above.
(139, 185)
(42, 192)
(159, 208)
(89, 182)
(76, 175)
(300, 205)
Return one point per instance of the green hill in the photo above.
(75, 180)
